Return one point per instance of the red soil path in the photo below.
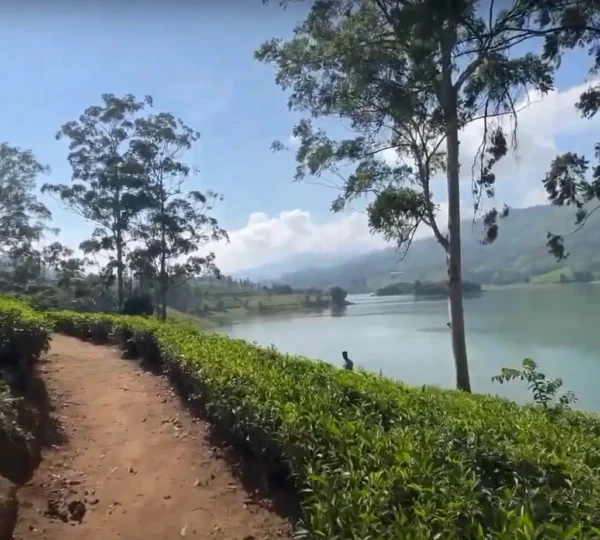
(135, 464)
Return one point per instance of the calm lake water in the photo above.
(408, 340)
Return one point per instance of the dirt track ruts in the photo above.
(135, 464)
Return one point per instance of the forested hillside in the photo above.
(519, 254)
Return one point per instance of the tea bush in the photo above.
(24, 336)
(9, 422)
(373, 458)
(140, 304)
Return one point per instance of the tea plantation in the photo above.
(371, 458)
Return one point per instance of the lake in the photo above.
(408, 340)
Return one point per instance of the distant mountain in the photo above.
(518, 254)
(272, 272)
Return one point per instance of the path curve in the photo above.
(136, 466)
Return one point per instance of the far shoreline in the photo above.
(490, 288)
(214, 321)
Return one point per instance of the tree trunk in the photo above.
(164, 278)
(118, 229)
(120, 287)
(157, 295)
(454, 263)
(163, 300)
(163, 283)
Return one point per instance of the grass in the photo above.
(373, 458)
(552, 276)
(200, 323)
(224, 308)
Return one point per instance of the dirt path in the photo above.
(135, 464)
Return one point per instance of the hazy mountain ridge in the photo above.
(272, 272)
(518, 253)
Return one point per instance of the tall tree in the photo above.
(105, 178)
(142, 270)
(24, 270)
(174, 224)
(68, 270)
(23, 218)
(408, 77)
(570, 181)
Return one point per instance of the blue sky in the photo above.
(196, 60)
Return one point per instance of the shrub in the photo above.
(9, 424)
(24, 336)
(138, 305)
(376, 459)
(338, 296)
(544, 390)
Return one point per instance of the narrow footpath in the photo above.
(135, 465)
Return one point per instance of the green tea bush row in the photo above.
(373, 458)
(24, 336)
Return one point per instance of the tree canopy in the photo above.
(23, 218)
(128, 175)
(407, 77)
(172, 225)
(338, 296)
(105, 178)
(571, 180)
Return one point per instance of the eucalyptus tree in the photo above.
(407, 77)
(571, 179)
(105, 178)
(175, 224)
(68, 270)
(23, 217)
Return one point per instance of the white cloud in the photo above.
(540, 121)
(535, 197)
(266, 239)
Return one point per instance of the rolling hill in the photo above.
(271, 272)
(518, 254)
